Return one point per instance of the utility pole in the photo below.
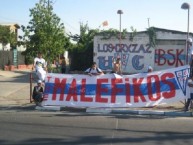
(186, 6)
(148, 19)
(120, 12)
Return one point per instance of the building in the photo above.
(13, 28)
(162, 49)
(12, 58)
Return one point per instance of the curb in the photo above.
(180, 114)
(172, 113)
(99, 110)
(48, 108)
(154, 112)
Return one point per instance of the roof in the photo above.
(9, 24)
(165, 30)
(156, 30)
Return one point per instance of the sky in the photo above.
(139, 14)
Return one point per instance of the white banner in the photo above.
(112, 90)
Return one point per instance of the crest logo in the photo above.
(182, 78)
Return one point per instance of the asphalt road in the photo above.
(23, 125)
(26, 126)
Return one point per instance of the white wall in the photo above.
(170, 51)
(6, 47)
(135, 55)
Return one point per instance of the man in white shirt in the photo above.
(40, 67)
(94, 70)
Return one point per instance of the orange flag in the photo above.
(105, 23)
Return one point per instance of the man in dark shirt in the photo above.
(38, 93)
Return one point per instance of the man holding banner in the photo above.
(94, 70)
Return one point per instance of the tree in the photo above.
(152, 36)
(82, 52)
(44, 32)
(85, 38)
(7, 36)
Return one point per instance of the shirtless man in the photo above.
(117, 66)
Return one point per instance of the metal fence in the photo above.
(11, 58)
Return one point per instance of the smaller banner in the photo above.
(112, 90)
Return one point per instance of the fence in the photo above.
(11, 58)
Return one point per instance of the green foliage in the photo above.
(85, 39)
(44, 33)
(29, 60)
(6, 36)
(107, 34)
(82, 52)
(152, 36)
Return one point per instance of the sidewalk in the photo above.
(15, 91)
(15, 87)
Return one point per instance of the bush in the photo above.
(29, 60)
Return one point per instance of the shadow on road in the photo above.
(18, 77)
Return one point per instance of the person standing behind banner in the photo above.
(40, 67)
(149, 69)
(190, 84)
(94, 70)
(63, 65)
(117, 66)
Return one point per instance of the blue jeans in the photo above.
(189, 101)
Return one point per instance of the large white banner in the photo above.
(112, 90)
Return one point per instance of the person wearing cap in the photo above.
(149, 69)
(38, 93)
(40, 67)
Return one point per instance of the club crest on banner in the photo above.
(182, 78)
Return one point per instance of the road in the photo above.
(26, 126)
(23, 125)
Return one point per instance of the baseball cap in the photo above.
(150, 68)
(39, 81)
(189, 40)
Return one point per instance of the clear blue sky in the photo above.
(165, 14)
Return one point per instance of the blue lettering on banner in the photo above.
(131, 48)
